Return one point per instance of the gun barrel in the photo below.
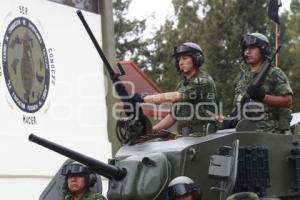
(106, 170)
(96, 44)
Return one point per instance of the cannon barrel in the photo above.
(106, 170)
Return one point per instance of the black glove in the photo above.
(137, 97)
(256, 93)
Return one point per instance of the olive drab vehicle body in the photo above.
(221, 163)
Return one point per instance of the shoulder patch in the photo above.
(279, 75)
(197, 80)
(280, 79)
(200, 80)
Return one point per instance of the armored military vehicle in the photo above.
(221, 163)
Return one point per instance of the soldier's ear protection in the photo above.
(197, 194)
(198, 59)
(92, 179)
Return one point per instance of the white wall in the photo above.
(74, 113)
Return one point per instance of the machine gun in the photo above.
(132, 178)
(136, 124)
(232, 118)
(108, 171)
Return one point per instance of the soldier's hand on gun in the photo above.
(219, 118)
(256, 93)
(137, 97)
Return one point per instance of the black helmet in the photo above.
(192, 49)
(182, 185)
(255, 39)
(77, 169)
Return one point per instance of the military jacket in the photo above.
(197, 107)
(88, 196)
(272, 119)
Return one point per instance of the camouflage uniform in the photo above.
(199, 88)
(88, 196)
(243, 196)
(275, 119)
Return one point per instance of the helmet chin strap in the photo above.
(185, 82)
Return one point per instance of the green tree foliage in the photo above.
(186, 26)
(128, 33)
(224, 24)
(217, 26)
(289, 57)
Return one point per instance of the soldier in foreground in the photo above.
(78, 180)
(183, 188)
(196, 87)
(274, 94)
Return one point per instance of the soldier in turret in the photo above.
(274, 95)
(195, 96)
(183, 188)
(78, 180)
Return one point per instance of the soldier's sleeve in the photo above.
(281, 83)
(200, 89)
(67, 197)
(237, 94)
(99, 196)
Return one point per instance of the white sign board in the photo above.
(51, 85)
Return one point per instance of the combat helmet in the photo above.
(182, 185)
(255, 39)
(77, 169)
(189, 48)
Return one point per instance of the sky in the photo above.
(160, 9)
(155, 11)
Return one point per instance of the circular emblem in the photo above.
(25, 65)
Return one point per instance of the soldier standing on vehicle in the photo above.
(183, 188)
(78, 180)
(275, 93)
(195, 96)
